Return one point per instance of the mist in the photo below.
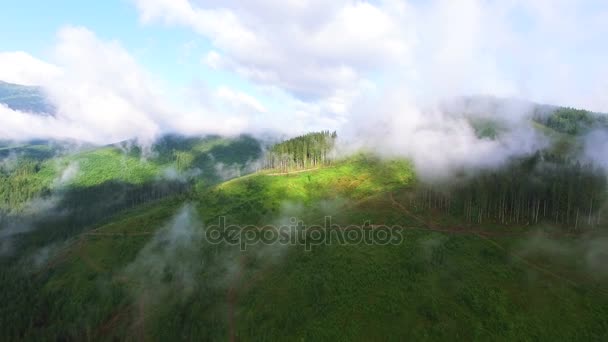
(35, 211)
(595, 148)
(173, 256)
(587, 253)
(440, 137)
(336, 75)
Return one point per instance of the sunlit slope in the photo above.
(33, 170)
(46, 200)
(149, 274)
(264, 195)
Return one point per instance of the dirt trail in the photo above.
(240, 285)
(291, 172)
(485, 235)
(409, 213)
(119, 234)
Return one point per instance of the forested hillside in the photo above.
(553, 185)
(110, 242)
(304, 170)
(306, 151)
(572, 121)
(48, 197)
(148, 273)
(25, 98)
(37, 169)
(540, 188)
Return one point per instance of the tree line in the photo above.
(302, 152)
(540, 188)
(570, 120)
(21, 184)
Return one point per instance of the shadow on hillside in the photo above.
(233, 151)
(34, 152)
(59, 216)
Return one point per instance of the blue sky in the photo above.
(294, 66)
(173, 53)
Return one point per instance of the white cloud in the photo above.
(21, 68)
(103, 95)
(213, 59)
(318, 51)
(315, 49)
(325, 61)
(319, 62)
(239, 99)
(100, 92)
(440, 139)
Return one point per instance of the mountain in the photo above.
(25, 98)
(119, 242)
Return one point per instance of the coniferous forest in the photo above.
(303, 152)
(545, 187)
(67, 265)
(570, 120)
(354, 170)
(541, 188)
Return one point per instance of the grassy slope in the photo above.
(107, 183)
(178, 158)
(434, 286)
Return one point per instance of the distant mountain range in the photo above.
(25, 98)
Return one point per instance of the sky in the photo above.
(119, 69)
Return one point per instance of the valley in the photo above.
(122, 250)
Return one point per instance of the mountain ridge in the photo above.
(23, 98)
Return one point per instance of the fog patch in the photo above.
(430, 244)
(41, 257)
(595, 148)
(67, 175)
(9, 163)
(442, 138)
(229, 171)
(226, 172)
(173, 258)
(171, 173)
(589, 252)
(34, 211)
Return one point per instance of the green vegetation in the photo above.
(118, 250)
(24, 98)
(35, 170)
(134, 277)
(306, 151)
(572, 121)
(486, 128)
(543, 187)
(22, 181)
(431, 287)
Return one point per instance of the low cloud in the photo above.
(173, 174)
(441, 139)
(172, 258)
(589, 253)
(21, 68)
(229, 171)
(26, 218)
(67, 175)
(596, 148)
(102, 95)
(378, 71)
